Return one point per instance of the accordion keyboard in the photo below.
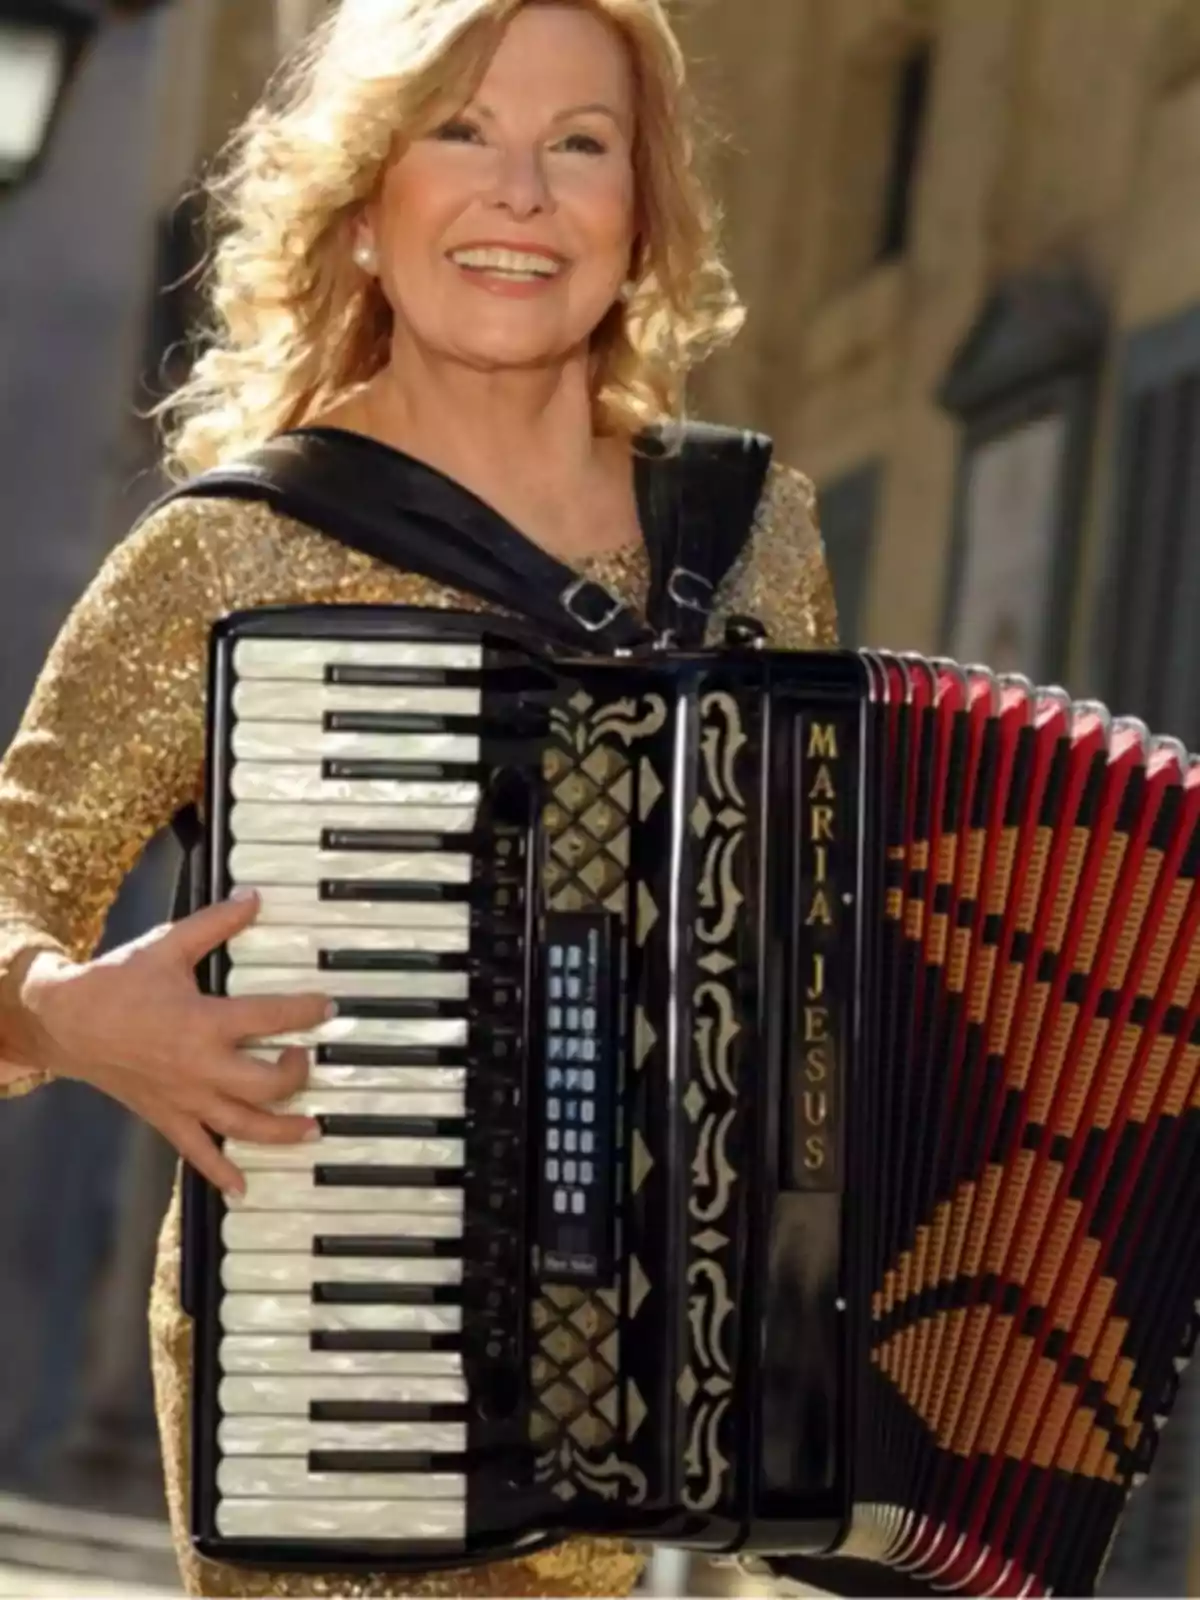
(369, 1336)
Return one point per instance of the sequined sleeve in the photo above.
(111, 744)
(781, 576)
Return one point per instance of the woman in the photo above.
(465, 230)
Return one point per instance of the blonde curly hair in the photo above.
(293, 327)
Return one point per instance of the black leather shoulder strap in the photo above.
(714, 483)
(702, 494)
(403, 512)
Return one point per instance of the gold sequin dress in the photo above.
(112, 746)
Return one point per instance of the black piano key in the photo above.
(406, 771)
(380, 675)
(348, 1177)
(358, 1127)
(516, 725)
(384, 1411)
(511, 675)
(385, 1461)
(387, 1245)
(372, 840)
(514, 756)
(393, 961)
(360, 1340)
(500, 891)
(387, 1294)
(387, 1055)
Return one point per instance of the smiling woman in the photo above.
(423, 129)
(462, 248)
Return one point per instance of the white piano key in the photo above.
(270, 700)
(292, 1271)
(312, 979)
(300, 906)
(435, 1033)
(290, 1436)
(308, 658)
(296, 1313)
(345, 1521)
(302, 824)
(286, 1355)
(262, 864)
(442, 1155)
(292, 1397)
(288, 1477)
(441, 1080)
(287, 947)
(296, 1230)
(297, 781)
(303, 741)
(285, 1191)
(415, 1079)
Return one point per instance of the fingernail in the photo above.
(235, 1197)
(313, 1134)
(331, 1011)
(244, 892)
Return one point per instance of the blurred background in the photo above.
(968, 233)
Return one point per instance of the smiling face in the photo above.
(504, 235)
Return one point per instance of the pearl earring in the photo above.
(365, 257)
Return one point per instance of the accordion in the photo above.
(761, 1114)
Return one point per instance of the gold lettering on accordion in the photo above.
(822, 788)
(819, 910)
(814, 1086)
(816, 1021)
(821, 823)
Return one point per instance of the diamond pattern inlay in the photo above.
(647, 913)
(650, 790)
(562, 1402)
(593, 1320)
(693, 1100)
(640, 1163)
(644, 1038)
(564, 1344)
(635, 1409)
(639, 1285)
(591, 1430)
(592, 1375)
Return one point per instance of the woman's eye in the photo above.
(584, 144)
(456, 130)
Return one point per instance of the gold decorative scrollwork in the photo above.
(710, 1100)
(720, 743)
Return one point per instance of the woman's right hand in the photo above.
(134, 1024)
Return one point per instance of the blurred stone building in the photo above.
(968, 235)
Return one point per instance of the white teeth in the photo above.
(516, 262)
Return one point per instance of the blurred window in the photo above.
(1151, 632)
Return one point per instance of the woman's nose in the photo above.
(520, 183)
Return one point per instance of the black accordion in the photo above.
(760, 1115)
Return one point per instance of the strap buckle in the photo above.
(690, 590)
(597, 621)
